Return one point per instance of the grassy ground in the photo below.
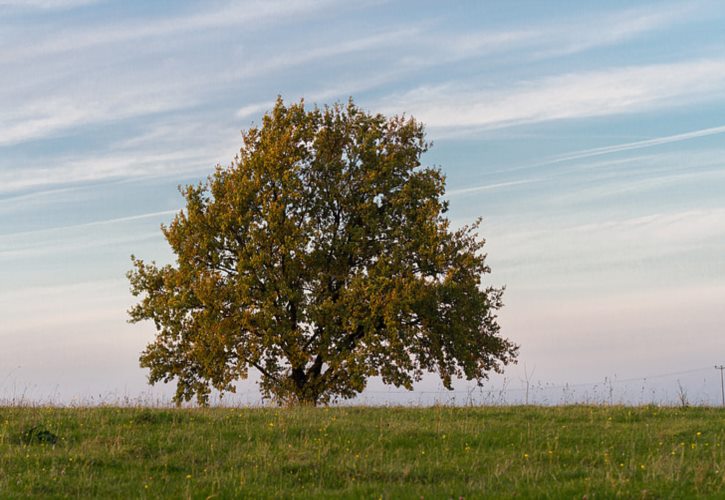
(439, 452)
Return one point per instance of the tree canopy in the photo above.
(320, 257)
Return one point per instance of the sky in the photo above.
(588, 135)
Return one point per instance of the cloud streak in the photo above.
(75, 170)
(489, 187)
(51, 115)
(629, 146)
(621, 148)
(46, 4)
(647, 250)
(59, 107)
(614, 91)
(229, 14)
(104, 222)
(559, 39)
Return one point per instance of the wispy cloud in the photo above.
(673, 227)
(336, 90)
(362, 44)
(623, 185)
(104, 222)
(61, 105)
(626, 250)
(575, 36)
(247, 13)
(540, 41)
(46, 4)
(28, 248)
(575, 95)
(489, 187)
(594, 180)
(106, 167)
(58, 107)
(58, 291)
(628, 146)
(586, 34)
(49, 115)
(53, 306)
(581, 154)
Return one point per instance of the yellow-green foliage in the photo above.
(440, 452)
(321, 257)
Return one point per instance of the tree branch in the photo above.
(262, 370)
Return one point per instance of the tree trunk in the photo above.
(305, 392)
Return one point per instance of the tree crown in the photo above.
(320, 257)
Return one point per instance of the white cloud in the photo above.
(628, 146)
(55, 107)
(339, 90)
(595, 180)
(247, 13)
(489, 187)
(60, 104)
(254, 108)
(42, 307)
(29, 248)
(694, 160)
(598, 254)
(619, 185)
(665, 228)
(53, 232)
(110, 166)
(557, 39)
(609, 29)
(443, 49)
(43, 293)
(363, 44)
(48, 115)
(569, 96)
(46, 4)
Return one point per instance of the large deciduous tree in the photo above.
(321, 257)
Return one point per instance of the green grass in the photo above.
(360, 452)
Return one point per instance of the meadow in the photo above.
(363, 452)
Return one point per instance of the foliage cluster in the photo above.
(321, 257)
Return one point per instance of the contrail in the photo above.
(587, 153)
(486, 187)
(616, 148)
(91, 224)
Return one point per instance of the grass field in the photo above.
(361, 452)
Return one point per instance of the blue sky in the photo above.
(589, 135)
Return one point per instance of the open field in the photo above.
(438, 452)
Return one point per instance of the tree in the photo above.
(320, 257)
